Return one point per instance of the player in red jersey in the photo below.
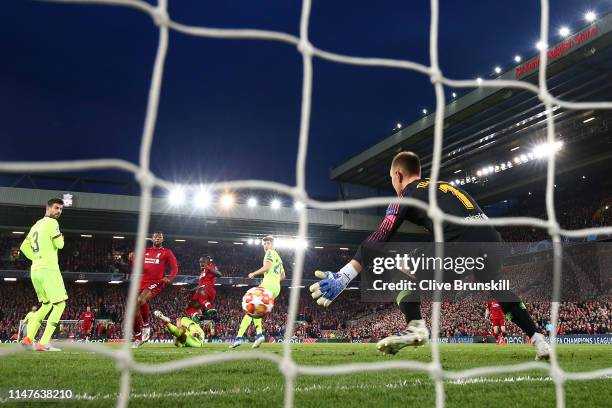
(205, 293)
(87, 317)
(157, 260)
(497, 318)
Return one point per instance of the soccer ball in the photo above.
(257, 302)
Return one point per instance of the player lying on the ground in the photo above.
(186, 333)
(205, 292)
(273, 272)
(156, 260)
(405, 173)
(40, 246)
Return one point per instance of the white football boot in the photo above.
(161, 316)
(541, 346)
(416, 334)
(46, 347)
(236, 343)
(258, 340)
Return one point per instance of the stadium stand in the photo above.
(347, 318)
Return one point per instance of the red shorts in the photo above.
(498, 321)
(205, 294)
(154, 287)
(86, 328)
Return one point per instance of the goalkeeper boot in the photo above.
(161, 316)
(541, 346)
(416, 334)
(236, 343)
(45, 347)
(258, 340)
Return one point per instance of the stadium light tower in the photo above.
(590, 16)
(275, 204)
(479, 80)
(252, 202)
(424, 111)
(564, 31)
(399, 125)
(177, 196)
(541, 45)
(517, 58)
(454, 95)
(298, 205)
(498, 70)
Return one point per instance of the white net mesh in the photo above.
(124, 358)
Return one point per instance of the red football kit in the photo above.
(497, 314)
(206, 293)
(86, 317)
(156, 262)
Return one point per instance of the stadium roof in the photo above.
(118, 215)
(483, 126)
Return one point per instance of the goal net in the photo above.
(286, 364)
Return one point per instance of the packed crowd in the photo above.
(466, 318)
(346, 317)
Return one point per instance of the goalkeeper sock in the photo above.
(258, 326)
(244, 325)
(410, 305)
(52, 321)
(517, 312)
(36, 320)
(173, 329)
(411, 311)
(144, 313)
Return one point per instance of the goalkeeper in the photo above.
(405, 173)
(186, 333)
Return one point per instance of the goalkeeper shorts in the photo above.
(49, 285)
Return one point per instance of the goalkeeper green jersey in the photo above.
(192, 327)
(42, 243)
(272, 276)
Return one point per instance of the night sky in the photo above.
(74, 80)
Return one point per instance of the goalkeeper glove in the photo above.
(331, 284)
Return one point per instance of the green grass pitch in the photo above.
(95, 380)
